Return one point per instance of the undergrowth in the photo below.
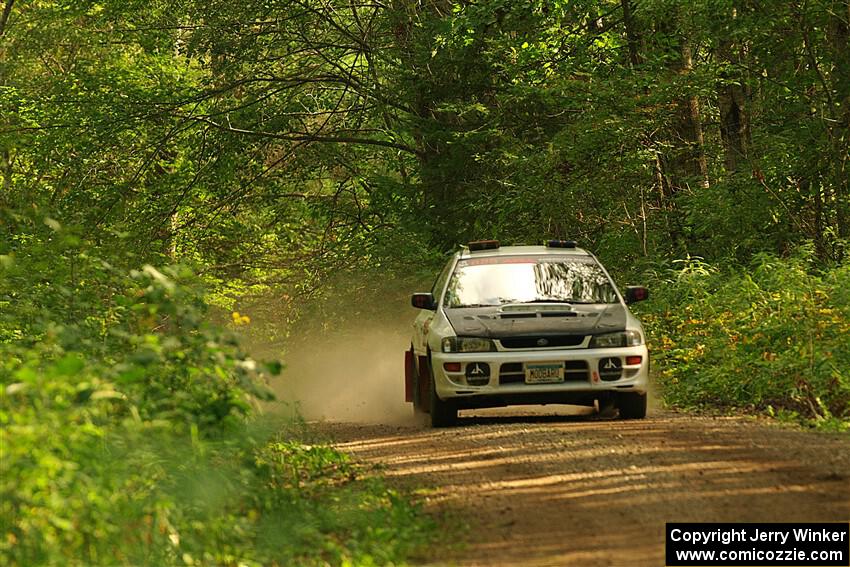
(773, 338)
(129, 430)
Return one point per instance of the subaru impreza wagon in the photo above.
(508, 325)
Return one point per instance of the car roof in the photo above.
(522, 250)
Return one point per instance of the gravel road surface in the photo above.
(519, 489)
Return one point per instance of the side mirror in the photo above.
(636, 293)
(424, 301)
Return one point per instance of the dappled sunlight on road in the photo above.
(563, 490)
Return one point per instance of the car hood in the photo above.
(537, 319)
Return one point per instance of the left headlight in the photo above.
(619, 339)
(467, 344)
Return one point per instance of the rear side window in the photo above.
(492, 281)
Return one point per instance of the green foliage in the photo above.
(138, 494)
(275, 153)
(771, 338)
(125, 434)
(136, 337)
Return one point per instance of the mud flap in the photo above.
(424, 384)
(409, 371)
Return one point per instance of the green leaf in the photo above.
(69, 365)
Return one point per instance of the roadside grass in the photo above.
(253, 496)
(770, 339)
(303, 504)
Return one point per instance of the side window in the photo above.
(440, 282)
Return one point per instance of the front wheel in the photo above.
(632, 405)
(443, 413)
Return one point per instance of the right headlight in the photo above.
(467, 344)
(618, 339)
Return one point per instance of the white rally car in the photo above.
(507, 325)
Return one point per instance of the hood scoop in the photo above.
(533, 311)
(517, 315)
(536, 315)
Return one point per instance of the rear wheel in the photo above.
(632, 405)
(443, 413)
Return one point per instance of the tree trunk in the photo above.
(632, 36)
(4, 17)
(839, 38)
(6, 152)
(732, 98)
(6, 195)
(407, 41)
(688, 160)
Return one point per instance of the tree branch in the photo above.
(307, 137)
(4, 18)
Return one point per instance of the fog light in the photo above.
(452, 366)
(477, 373)
(610, 368)
(631, 360)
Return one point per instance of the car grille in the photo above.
(514, 372)
(536, 341)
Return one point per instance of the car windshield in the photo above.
(542, 279)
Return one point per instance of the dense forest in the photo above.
(165, 162)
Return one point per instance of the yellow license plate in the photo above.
(544, 372)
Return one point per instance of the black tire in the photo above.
(632, 405)
(443, 413)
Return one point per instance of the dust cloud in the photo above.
(345, 362)
(350, 375)
(359, 378)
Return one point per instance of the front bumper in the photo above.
(584, 375)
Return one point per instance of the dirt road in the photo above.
(555, 490)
